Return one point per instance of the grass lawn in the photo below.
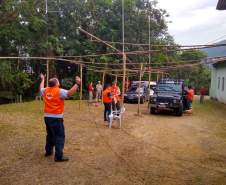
(149, 149)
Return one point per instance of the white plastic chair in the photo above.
(116, 115)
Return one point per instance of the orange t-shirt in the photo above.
(106, 97)
(53, 103)
(115, 92)
(190, 95)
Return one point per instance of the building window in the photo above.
(223, 84)
(219, 82)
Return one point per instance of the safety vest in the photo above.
(53, 103)
(115, 92)
(106, 97)
(190, 94)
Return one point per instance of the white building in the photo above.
(218, 72)
(218, 81)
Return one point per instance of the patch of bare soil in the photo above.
(149, 149)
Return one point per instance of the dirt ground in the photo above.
(149, 149)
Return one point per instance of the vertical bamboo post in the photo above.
(124, 77)
(157, 76)
(123, 52)
(116, 79)
(80, 101)
(103, 81)
(149, 56)
(139, 87)
(47, 72)
(149, 87)
(162, 75)
(127, 82)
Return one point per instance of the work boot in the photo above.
(48, 154)
(63, 159)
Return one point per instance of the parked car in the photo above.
(152, 88)
(133, 93)
(168, 96)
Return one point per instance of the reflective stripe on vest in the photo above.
(53, 103)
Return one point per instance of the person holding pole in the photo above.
(53, 97)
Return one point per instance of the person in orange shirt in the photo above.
(107, 100)
(53, 97)
(190, 96)
(115, 93)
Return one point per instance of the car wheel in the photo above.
(142, 100)
(179, 111)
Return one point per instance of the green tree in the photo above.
(197, 75)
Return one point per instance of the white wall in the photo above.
(216, 91)
(213, 87)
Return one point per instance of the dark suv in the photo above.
(168, 95)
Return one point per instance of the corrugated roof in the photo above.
(219, 60)
(221, 5)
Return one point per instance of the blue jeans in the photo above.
(189, 104)
(107, 111)
(55, 136)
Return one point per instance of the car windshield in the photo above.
(171, 87)
(135, 89)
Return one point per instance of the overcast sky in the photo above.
(194, 21)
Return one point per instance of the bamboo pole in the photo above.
(157, 77)
(127, 82)
(123, 52)
(116, 79)
(149, 55)
(124, 78)
(139, 87)
(103, 81)
(81, 87)
(47, 72)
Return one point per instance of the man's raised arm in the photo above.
(42, 82)
(74, 87)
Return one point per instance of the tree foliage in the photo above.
(27, 28)
(197, 76)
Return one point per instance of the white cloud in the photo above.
(194, 21)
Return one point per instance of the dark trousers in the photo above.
(116, 106)
(55, 136)
(107, 111)
(201, 99)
